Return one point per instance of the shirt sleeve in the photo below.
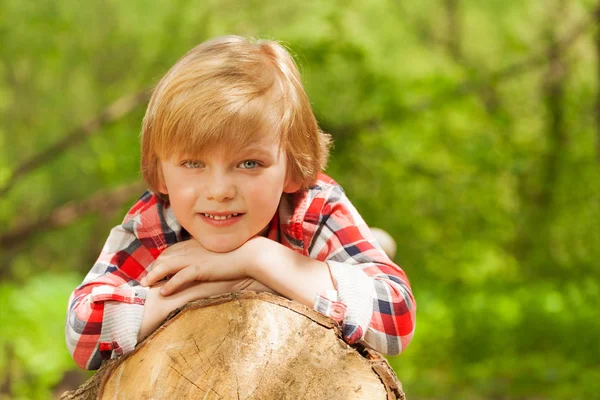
(373, 300)
(105, 312)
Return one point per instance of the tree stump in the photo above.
(244, 345)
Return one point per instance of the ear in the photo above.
(162, 186)
(291, 186)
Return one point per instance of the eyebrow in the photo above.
(255, 149)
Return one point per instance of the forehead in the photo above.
(229, 138)
(231, 127)
(233, 146)
(262, 147)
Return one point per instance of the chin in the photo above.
(221, 247)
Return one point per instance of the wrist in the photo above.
(253, 256)
(154, 313)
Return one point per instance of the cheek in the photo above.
(182, 198)
(182, 193)
(265, 195)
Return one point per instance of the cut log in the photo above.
(244, 345)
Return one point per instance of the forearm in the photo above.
(99, 318)
(158, 307)
(292, 275)
(156, 310)
(306, 280)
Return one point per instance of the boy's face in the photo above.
(223, 201)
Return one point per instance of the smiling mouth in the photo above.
(220, 217)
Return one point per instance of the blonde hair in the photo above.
(226, 92)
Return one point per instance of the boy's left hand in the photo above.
(188, 262)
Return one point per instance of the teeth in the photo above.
(220, 217)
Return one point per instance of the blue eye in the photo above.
(192, 164)
(249, 164)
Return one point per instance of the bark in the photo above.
(244, 345)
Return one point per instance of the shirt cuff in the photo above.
(326, 303)
(121, 324)
(354, 292)
(122, 318)
(131, 295)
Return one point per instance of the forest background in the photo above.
(469, 130)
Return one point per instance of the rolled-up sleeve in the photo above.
(373, 300)
(105, 312)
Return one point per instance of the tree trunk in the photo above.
(244, 345)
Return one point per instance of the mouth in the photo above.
(221, 217)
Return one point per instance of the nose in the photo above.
(220, 187)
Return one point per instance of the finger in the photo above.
(180, 279)
(161, 270)
(211, 269)
(175, 249)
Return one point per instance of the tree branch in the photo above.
(454, 29)
(510, 71)
(536, 187)
(454, 46)
(555, 81)
(597, 20)
(112, 113)
(66, 214)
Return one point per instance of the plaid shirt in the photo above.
(373, 301)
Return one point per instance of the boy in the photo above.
(232, 154)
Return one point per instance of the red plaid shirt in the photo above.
(373, 301)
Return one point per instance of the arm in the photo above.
(373, 300)
(110, 312)
(105, 312)
(373, 293)
(158, 307)
(293, 275)
(107, 307)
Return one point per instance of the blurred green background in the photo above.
(469, 130)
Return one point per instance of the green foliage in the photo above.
(32, 342)
(490, 183)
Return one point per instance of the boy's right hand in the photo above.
(158, 307)
(251, 284)
(201, 290)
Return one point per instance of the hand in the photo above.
(158, 307)
(251, 284)
(201, 290)
(188, 262)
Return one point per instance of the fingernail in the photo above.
(163, 292)
(143, 282)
